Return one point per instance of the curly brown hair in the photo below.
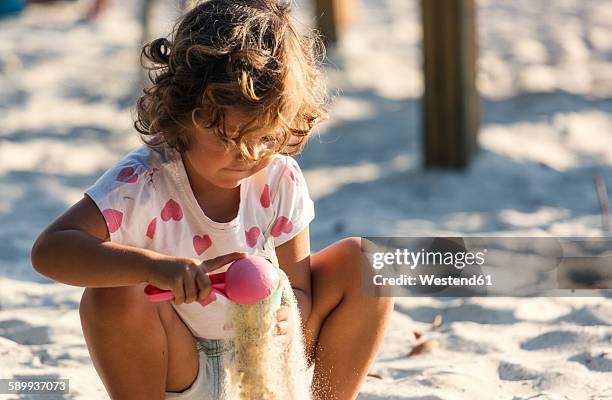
(244, 56)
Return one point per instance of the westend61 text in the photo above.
(432, 280)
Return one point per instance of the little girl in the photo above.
(236, 90)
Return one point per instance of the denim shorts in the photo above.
(209, 383)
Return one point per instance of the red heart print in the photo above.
(282, 224)
(172, 210)
(294, 174)
(151, 228)
(265, 197)
(127, 175)
(252, 235)
(113, 219)
(201, 243)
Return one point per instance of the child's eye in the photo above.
(225, 141)
(269, 141)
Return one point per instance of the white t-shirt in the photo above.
(147, 202)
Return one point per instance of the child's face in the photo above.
(224, 167)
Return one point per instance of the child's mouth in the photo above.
(239, 169)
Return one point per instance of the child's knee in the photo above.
(116, 303)
(357, 269)
(351, 246)
(351, 258)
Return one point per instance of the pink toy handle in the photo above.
(155, 294)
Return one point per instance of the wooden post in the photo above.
(451, 104)
(333, 16)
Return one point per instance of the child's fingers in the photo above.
(189, 283)
(203, 284)
(179, 292)
(282, 328)
(282, 314)
(218, 262)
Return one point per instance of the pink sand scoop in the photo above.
(248, 280)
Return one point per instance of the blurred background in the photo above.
(544, 75)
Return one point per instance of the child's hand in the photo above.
(284, 325)
(187, 277)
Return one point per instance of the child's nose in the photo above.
(258, 151)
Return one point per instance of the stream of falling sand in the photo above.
(262, 368)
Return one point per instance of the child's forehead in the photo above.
(235, 121)
(252, 124)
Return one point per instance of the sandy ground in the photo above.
(66, 89)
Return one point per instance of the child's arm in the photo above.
(75, 250)
(294, 258)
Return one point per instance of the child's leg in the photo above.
(140, 349)
(346, 328)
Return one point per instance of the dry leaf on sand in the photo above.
(437, 322)
(423, 348)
